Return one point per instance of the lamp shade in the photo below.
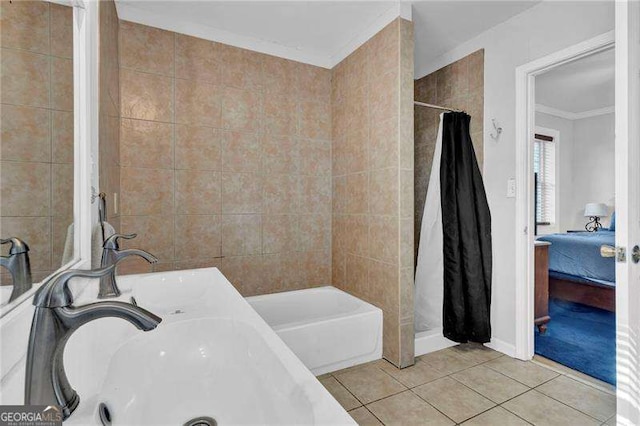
(596, 210)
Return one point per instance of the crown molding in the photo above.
(574, 115)
(132, 13)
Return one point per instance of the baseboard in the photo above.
(502, 346)
(431, 341)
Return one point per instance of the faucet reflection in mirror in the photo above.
(17, 262)
(37, 133)
(111, 255)
(55, 319)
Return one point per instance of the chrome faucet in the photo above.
(111, 255)
(18, 265)
(54, 321)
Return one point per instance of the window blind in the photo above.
(544, 164)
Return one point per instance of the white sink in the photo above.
(218, 368)
(212, 355)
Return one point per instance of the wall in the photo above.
(36, 149)
(593, 166)
(109, 110)
(459, 85)
(541, 30)
(372, 104)
(226, 160)
(586, 167)
(564, 172)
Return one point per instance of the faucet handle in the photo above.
(55, 293)
(111, 243)
(17, 245)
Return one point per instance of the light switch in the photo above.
(511, 188)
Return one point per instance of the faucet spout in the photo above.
(142, 319)
(111, 255)
(55, 319)
(136, 252)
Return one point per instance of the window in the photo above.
(544, 166)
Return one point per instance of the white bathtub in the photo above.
(326, 328)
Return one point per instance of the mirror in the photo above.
(36, 144)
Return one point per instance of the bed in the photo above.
(577, 272)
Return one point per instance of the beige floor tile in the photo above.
(363, 417)
(340, 393)
(525, 372)
(541, 410)
(491, 384)
(496, 417)
(324, 376)
(611, 421)
(587, 399)
(476, 352)
(407, 409)
(369, 383)
(418, 374)
(446, 360)
(454, 399)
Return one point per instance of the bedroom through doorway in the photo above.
(573, 166)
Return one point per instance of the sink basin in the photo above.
(211, 356)
(219, 368)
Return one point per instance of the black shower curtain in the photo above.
(466, 226)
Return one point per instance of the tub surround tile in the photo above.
(241, 152)
(149, 96)
(61, 136)
(146, 191)
(25, 134)
(198, 103)
(198, 192)
(241, 235)
(25, 78)
(62, 83)
(25, 189)
(61, 30)
(198, 148)
(154, 234)
(146, 49)
(25, 25)
(146, 144)
(198, 59)
(242, 193)
(197, 237)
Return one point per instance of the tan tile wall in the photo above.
(372, 103)
(36, 125)
(109, 109)
(459, 85)
(226, 160)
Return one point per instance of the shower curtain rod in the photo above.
(436, 106)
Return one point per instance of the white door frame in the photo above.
(627, 155)
(525, 125)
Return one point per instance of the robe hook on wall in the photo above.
(498, 130)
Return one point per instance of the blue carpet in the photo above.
(580, 337)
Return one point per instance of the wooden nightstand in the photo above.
(541, 307)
